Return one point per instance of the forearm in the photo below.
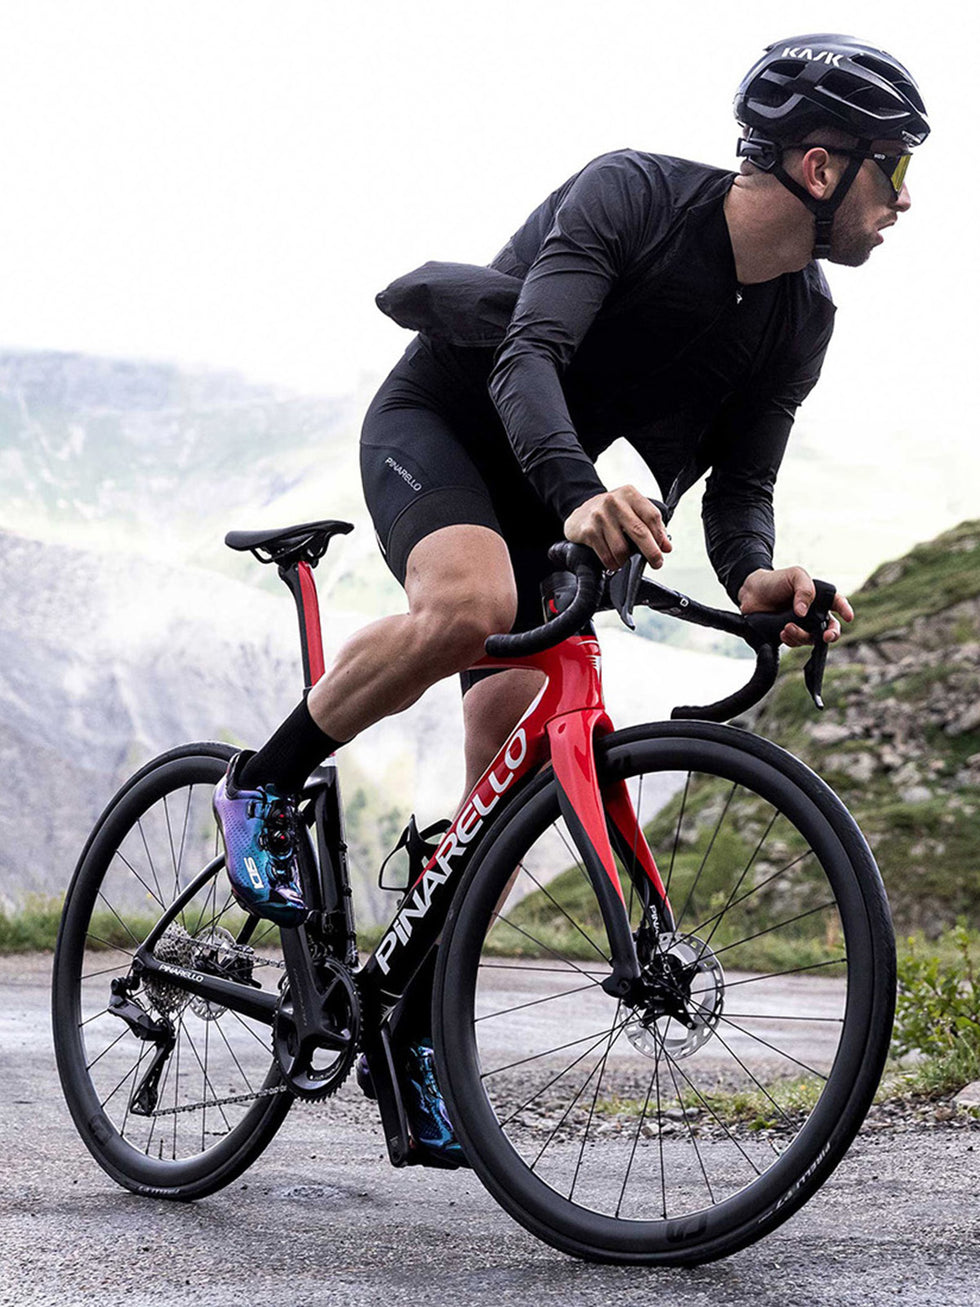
(527, 393)
(740, 537)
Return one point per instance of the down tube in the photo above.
(422, 912)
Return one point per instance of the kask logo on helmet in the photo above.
(804, 52)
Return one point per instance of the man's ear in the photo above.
(820, 172)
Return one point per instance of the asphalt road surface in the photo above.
(322, 1218)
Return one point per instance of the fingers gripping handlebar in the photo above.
(626, 590)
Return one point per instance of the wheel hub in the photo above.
(679, 998)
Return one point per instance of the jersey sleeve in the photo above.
(597, 226)
(748, 441)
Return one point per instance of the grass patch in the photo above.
(933, 1077)
(32, 928)
(784, 1103)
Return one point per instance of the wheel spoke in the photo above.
(788, 971)
(800, 916)
(154, 894)
(149, 858)
(719, 1121)
(534, 1057)
(122, 1035)
(568, 962)
(595, 1098)
(738, 884)
(636, 1133)
(704, 861)
(534, 1002)
(677, 836)
(716, 918)
(690, 1131)
(554, 1079)
(564, 912)
(122, 923)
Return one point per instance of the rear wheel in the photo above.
(185, 1111)
(689, 1121)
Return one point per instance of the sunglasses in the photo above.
(894, 166)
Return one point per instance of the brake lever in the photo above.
(766, 628)
(816, 623)
(623, 587)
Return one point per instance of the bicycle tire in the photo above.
(625, 1182)
(156, 834)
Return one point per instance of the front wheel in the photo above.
(686, 1122)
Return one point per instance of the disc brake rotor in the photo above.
(685, 987)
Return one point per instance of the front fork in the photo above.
(596, 818)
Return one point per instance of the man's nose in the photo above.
(903, 202)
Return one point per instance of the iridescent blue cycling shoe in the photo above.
(259, 831)
(426, 1107)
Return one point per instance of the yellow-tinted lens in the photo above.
(898, 175)
(894, 166)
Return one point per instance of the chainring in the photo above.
(310, 1070)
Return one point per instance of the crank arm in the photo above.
(308, 1001)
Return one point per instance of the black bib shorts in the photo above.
(435, 454)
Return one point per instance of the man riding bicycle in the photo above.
(677, 305)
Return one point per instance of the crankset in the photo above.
(316, 1029)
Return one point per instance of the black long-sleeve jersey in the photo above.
(626, 319)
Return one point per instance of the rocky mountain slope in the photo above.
(900, 739)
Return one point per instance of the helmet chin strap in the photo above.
(822, 210)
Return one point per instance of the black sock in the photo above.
(290, 754)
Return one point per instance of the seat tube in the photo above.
(299, 578)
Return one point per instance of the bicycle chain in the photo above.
(221, 1102)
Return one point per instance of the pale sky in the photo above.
(228, 183)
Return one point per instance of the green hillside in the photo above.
(900, 740)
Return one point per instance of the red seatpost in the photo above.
(302, 586)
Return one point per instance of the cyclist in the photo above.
(674, 304)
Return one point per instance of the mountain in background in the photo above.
(108, 453)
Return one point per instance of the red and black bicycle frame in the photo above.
(560, 727)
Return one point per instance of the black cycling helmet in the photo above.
(806, 83)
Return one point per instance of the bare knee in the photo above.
(454, 634)
(461, 589)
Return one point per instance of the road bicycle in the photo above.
(659, 960)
